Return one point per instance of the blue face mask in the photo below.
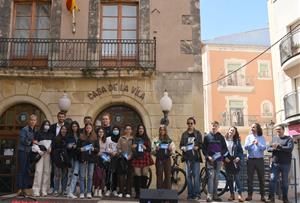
(115, 132)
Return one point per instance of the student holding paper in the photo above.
(142, 159)
(102, 159)
(214, 149)
(190, 144)
(124, 165)
(41, 182)
(88, 147)
(163, 148)
(61, 161)
(233, 161)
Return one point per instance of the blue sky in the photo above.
(223, 17)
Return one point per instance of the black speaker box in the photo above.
(158, 196)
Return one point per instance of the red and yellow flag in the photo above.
(71, 5)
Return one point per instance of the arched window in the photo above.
(266, 108)
(17, 116)
(121, 115)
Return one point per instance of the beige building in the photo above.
(286, 66)
(117, 57)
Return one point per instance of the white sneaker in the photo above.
(108, 192)
(115, 193)
(100, 193)
(127, 196)
(72, 196)
(96, 191)
(81, 196)
(120, 195)
(89, 195)
(51, 190)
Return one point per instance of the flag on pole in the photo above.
(71, 5)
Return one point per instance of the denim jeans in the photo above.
(86, 169)
(60, 177)
(23, 177)
(192, 171)
(284, 169)
(74, 177)
(231, 178)
(213, 171)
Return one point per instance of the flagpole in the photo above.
(73, 21)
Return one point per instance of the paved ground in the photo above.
(52, 199)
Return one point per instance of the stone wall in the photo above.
(183, 88)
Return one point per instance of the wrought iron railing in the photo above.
(290, 46)
(78, 53)
(237, 119)
(292, 104)
(236, 81)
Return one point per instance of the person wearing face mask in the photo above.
(111, 149)
(41, 181)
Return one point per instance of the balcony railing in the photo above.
(292, 104)
(290, 46)
(241, 81)
(236, 119)
(78, 53)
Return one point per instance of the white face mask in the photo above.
(46, 127)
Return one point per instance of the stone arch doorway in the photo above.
(11, 121)
(120, 116)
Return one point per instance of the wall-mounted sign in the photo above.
(117, 87)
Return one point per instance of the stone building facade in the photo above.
(127, 78)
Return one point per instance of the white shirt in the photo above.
(229, 144)
(58, 127)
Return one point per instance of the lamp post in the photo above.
(166, 105)
(270, 126)
(64, 103)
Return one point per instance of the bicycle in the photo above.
(178, 176)
(223, 182)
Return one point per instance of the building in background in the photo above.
(286, 67)
(246, 96)
(118, 57)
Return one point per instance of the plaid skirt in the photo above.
(143, 162)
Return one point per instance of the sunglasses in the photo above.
(190, 123)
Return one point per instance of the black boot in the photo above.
(137, 186)
(144, 180)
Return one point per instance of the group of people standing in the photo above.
(108, 160)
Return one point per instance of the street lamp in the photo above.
(270, 126)
(166, 105)
(64, 103)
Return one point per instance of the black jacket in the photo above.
(214, 143)
(237, 151)
(283, 153)
(192, 155)
(59, 149)
(88, 156)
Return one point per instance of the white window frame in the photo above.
(260, 62)
(235, 61)
(262, 109)
(245, 104)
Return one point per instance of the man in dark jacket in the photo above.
(214, 149)
(24, 147)
(54, 129)
(281, 148)
(190, 144)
